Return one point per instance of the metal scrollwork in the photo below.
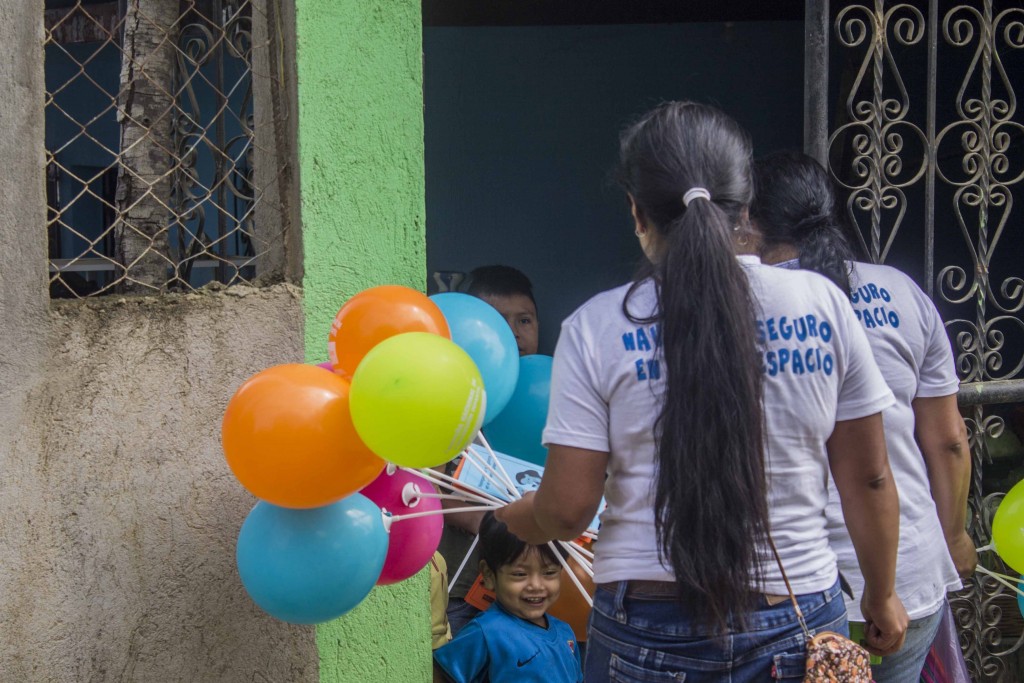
(213, 190)
(886, 143)
(983, 181)
(878, 129)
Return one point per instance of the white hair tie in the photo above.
(694, 193)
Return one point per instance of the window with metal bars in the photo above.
(152, 145)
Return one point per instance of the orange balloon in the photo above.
(375, 314)
(571, 607)
(288, 437)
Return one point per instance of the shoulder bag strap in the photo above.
(792, 597)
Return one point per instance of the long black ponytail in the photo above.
(795, 205)
(711, 506)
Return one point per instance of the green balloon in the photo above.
(1008, 528)
(417, 399)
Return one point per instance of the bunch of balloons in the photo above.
(409, 384)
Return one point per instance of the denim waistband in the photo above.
(663, 590)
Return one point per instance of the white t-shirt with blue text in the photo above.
(910, 346)
(608, 382)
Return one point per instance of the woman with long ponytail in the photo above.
(703, 401)
(925, 435)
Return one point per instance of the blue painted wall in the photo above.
(522, 126)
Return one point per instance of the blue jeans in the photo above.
(906, 664)
(636, 639)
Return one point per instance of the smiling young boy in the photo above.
(515, 640)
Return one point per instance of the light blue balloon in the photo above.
(311, 566)
(1020, 598)
(517, 429)
(485, 335)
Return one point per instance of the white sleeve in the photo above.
(938, 372)
(862, 389)
(578, 412)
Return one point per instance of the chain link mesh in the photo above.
(164, 156)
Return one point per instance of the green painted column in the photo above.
(360, 90)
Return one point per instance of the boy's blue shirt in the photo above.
(497, 647)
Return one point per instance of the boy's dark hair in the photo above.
(499, 546)
(499, 281)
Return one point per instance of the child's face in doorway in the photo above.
(526, 587)
(521, 315)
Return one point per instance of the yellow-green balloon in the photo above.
(417, 399)
(1008, 528)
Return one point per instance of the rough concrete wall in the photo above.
(127, 572)
(361, 178)
(23, 295)
(118, 514)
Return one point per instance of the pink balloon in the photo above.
(412, 541)
(326, 366)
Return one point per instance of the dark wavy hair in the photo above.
(499, 546)
(795, 204)
(711, 508)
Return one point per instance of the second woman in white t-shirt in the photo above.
(925, 436)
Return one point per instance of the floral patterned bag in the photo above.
(834, 658)
(831, 657)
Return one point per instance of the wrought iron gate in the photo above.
(920, 126)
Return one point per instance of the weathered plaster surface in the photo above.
(361, 177)
(23, 284)
(125, 570)
(118, 514)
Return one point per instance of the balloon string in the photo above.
(577, 552)
(572, 574)
(501, 468)
(458, 572)
(462, 496)
(480, 462)
(583, 551)
(983, 548)
(582, 561)
(489, 472)
(999, 577)
(985, 570)
(454, 484)
(444, 511)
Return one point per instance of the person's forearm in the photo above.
(949, 477)
(871, 507)
(872, 513)
(870, 502)
(942, 438)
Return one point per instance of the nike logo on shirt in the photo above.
(521, 663)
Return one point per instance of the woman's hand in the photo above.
(965, 556)
(566, 501)
(886, 623)
(519, 517)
